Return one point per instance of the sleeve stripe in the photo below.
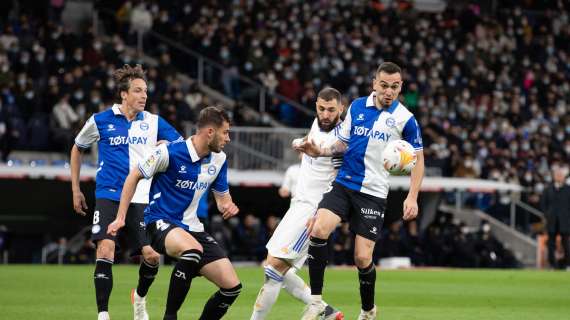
(220, 192)
(341, 138)
(146, 176)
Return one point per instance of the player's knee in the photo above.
(194, 246)
(150, 256)
(362, 260)
(106, 249)
(320, 231)
(277, 264)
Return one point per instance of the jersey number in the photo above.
(96, 217)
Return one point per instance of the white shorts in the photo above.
(290, 241)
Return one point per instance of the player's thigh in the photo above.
(367, 215)
(178, 240)
(221, 272)
(291, 234)
(325, 223)
(333, 208)
(363, 250)
(104, 214)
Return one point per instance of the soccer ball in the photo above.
(399, 157)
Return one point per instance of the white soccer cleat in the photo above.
(314, 311)
(139, 306)
(368, 315)
(103, 316)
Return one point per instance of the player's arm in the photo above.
(412, 134)
(79, 203)
(127, 194)
(312, 149)
(87, 136)
(226, 205)
(221, 191)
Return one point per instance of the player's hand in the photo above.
(228, 210)
(114, 227)
(410, 209)
(310, 223)
(308, 147)
(79, 204)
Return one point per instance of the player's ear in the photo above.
(123, 95)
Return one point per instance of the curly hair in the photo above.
(126, 74)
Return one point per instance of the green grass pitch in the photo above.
(66, 292)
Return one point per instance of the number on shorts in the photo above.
(96, 217)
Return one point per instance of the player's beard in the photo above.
(327, 126)
(214, 145)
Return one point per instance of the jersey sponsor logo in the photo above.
(182, 169)
(391, 122)
(212, 170)
(374, 134)
(120, 140)
(374, 230)
(144, 126)
(360, 117)
(191, 185)
(110, 127)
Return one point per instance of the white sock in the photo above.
(296, 286)
(268, 293)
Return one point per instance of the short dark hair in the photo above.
(389, 68)
(330, 93)
(126, 74)
(215, 116)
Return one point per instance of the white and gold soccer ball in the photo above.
(399, 157)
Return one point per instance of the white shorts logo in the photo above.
(95, 229)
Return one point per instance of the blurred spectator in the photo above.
(65, 119)
(251, 238)
(556, 207)
(289, 183)
(4, 243)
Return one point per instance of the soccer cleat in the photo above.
(314, 311)
(104, 315)
(368, 315)
(332, 314)
(139, 306)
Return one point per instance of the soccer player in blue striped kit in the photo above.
(124, 134)
(359, 192)
(183, 171)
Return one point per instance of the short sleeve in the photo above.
(344, 132)
(88, 135)
(220, 185)
(412, 133)
(166, 131)
(156, 161)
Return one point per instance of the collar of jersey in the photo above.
(117, 112)
(191, 150)
(372, 97)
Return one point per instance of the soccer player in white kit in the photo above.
(287, 248)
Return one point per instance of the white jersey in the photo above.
(289, 241)
(316, 174)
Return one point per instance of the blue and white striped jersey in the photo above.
(180, 180)
(121, 145)
(367, 129)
